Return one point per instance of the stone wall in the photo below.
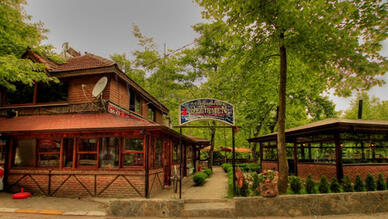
(317, 204)
(146, 208)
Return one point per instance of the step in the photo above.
(209, 209)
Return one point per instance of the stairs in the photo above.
(220, 208)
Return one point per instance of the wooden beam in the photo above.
(338, 157)
(296, 158)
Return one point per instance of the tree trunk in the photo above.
(282, 154)
(212, 136)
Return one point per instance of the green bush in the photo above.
(370, 183)
(255, 183)
(199, 178)
(225, 166)
(207, 171)
(380, 182)
(323, 185)
(359, 185)
(335, 186)
(295, 184)
(347, 184)
(310, 185)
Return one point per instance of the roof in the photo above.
(87, 61)
(80, 122)
(239, 150)
(71, 122)
(331, 125)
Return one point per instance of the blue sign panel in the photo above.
(206, 109)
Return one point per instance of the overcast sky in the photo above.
(103, 27)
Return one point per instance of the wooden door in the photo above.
(167, 161)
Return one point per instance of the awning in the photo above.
(208, 149)
(239, 150)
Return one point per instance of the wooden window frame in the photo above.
(78, 152)
(119, 154)
(38, 153)
(123, 152)
(160, 153)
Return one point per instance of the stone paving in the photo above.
(216, 187)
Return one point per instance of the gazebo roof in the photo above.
(330, 125)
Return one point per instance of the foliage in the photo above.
(255, 183)
(199, 178)
(347, 184)
(372, 108)
(266, 176)
(370, 183)
(359, 185)
(17, 33)
(310, 185)
(335, 186)
(208, 171)
(323, 185)
(225, 166)
(295, 184)
(380, 182)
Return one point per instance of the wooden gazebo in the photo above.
(331, 147)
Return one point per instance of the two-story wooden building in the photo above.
(58, 139)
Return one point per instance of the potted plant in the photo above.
(268, 183)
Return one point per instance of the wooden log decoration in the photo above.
(239, 178)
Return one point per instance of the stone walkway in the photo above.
(216, 187)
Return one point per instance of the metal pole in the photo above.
(234, 163)
(180, 166)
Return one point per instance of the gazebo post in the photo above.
(146, 166)
(310, 157)
(261, 155)
(338, 157)
(234, 163)
(296, 158)
(195, 158)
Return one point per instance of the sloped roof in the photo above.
(333, 124)
(86, 61)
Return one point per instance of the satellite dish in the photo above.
(99, 87)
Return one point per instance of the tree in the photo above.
(372, 108)
(16, 34)
(336, 40)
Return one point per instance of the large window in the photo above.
(176, 153)
(87, 152)
(151, 113)
(22, 94)
(109, 153)
(137, 104)
(133, 152)
(25, 153)
(158, 153)
(49, 150)
(68, 151)
(53, 92)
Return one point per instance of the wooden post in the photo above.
(310, 157)
(74, 151)
(261, 155)
(338, 157)
(146, 166)
(7, 155)
(61, 154)
(296, 158)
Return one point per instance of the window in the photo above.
(137, 105)
(176, 153)
(158, 153)
(53, 92)
(22, 94)
(87, 152)
(133, 152)
(68, 147)
(2, 151)
(131, 100)
(151, 114)
(25, 153)
(109, 154)
(49, 152)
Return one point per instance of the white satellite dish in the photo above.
(99, 87)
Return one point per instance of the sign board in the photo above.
(206, 109)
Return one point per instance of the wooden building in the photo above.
(331, 147)
(58, 139)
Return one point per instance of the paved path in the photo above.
(216, 187)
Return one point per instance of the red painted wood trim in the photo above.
(74, 151)
(35, 97)
(61, 155)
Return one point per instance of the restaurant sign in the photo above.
(206, 109)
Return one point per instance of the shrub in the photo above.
(370, 183)
(208, 172)
(380, 182)
(225, 166)
(255, 183)
(310, 185)
(295, 184)
(324, 185)
(335, 186)
(359, 185)
(347, 184)
(199, 178)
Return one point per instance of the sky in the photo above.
(104, 27)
